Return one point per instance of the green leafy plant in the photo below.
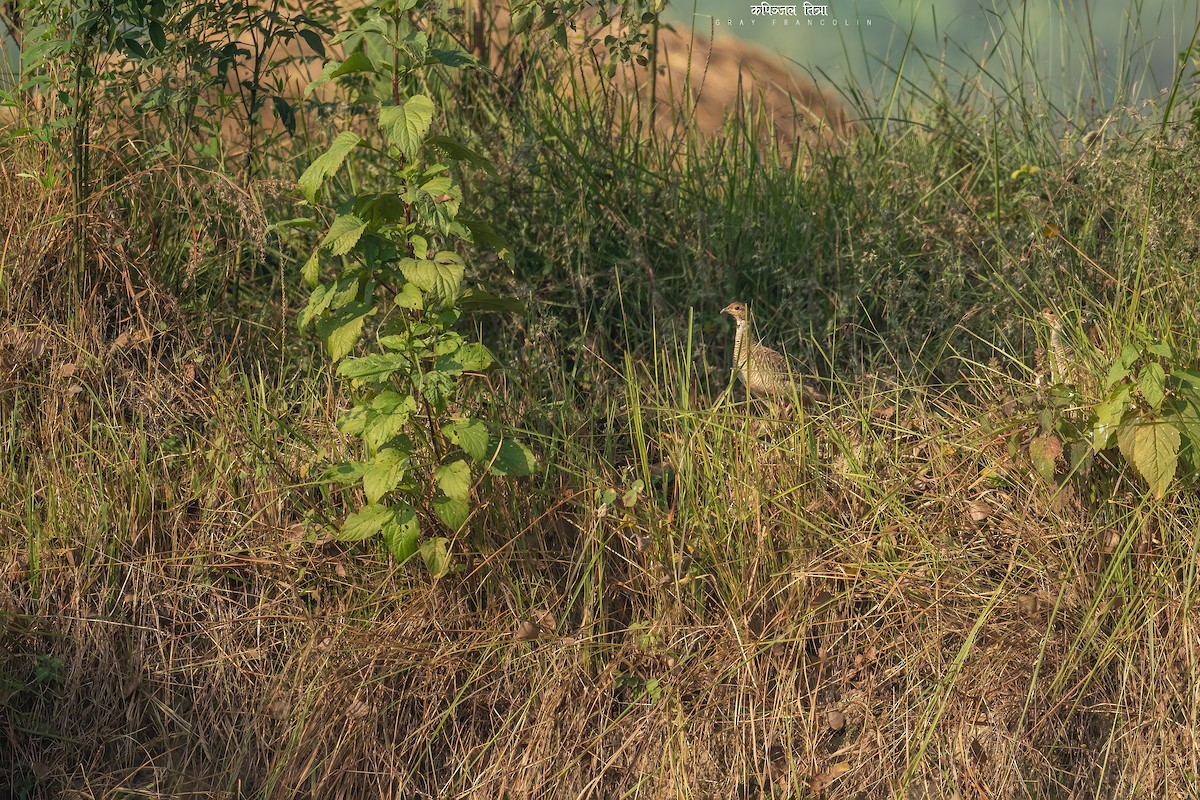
(634, 36)
(179, 70)
(1150, 412)
(397, 292)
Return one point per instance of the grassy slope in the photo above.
(881, 594)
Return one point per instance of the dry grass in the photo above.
(879, 598)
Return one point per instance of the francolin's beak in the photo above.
(728, 309)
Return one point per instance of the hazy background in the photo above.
(1078, 50)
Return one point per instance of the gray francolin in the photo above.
(1071, 361)
(763, 370)
(1062, 355)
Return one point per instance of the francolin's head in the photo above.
(738, 310)
(1049, 316)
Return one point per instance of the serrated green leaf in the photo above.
(392, 403)
(403, 342)
(345, 292)
(375, 367)
(364, 523)
(451, 511)
(353, 421)
(386, 416)
(1152, 447)
(341, 329)
(377, 251)
(435, 186)
(310, 272)
(521, 19)
(325, 76)
(468, 357)
(474, 357)
(416, 45)
(327, 164)
(345, 473)
(381, 210)
(443, 280)
(444, 209)
(419, 245)
(343, 234)
(436, 555)
(326, 297)
(375, 23)
(1185, 415)
(318, 302)
(383, 473)
(410, 297)
(512, 458)
(455, 59)
(1161, 349)
(472, 436)
(402, 534)
(1116, 373)
(358, 61)
(406, 125)
(1109, 415)
(449, 342)
(1152, 384)
(437, 388)
(1045, 452)
(454, 479)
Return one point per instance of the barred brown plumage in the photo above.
(762, 370)
(1062, 355)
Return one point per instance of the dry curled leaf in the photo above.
(527, 631)
(979, 510)
(818, 782)
(1046, 452)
